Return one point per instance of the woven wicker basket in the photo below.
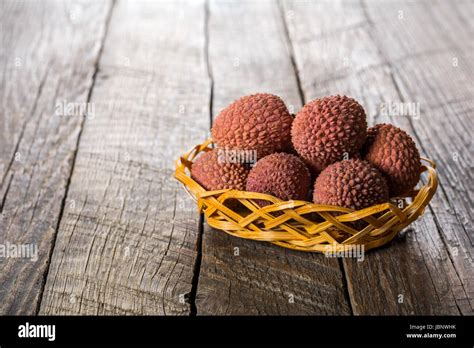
(302, 225)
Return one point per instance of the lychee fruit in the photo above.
(328, 130)
(353, 184)
(393, 152)
(259, 122)
(282, 175)
(212, 172)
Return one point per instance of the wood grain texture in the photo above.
(436, 74)
(362, 51)
(48, 52)
(127, 243)
(248, 53)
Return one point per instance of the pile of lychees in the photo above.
(325, 151)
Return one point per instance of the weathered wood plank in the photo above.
(436, 74)
(346, 54)
(248, 53)
(127, 243)
(48, 52)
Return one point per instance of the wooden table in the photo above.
(94, 191)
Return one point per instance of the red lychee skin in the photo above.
(214, 174)
(282, 175)
(328, 130)
(393, 152)
(259, 122)
(353, 184)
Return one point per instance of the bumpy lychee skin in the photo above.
(259, 122)
(392, 151)
(353, 184)
(213, 173)
(328, 130)
(282, 175)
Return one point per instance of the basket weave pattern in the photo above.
(302, 225)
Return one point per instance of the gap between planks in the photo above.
(63, 202)
(345, 279)
(197, 264)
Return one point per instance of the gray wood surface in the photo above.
(48, 53)
(436, 74)
(116, 234)
(127, 246)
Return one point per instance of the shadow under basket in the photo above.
(303, 225)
